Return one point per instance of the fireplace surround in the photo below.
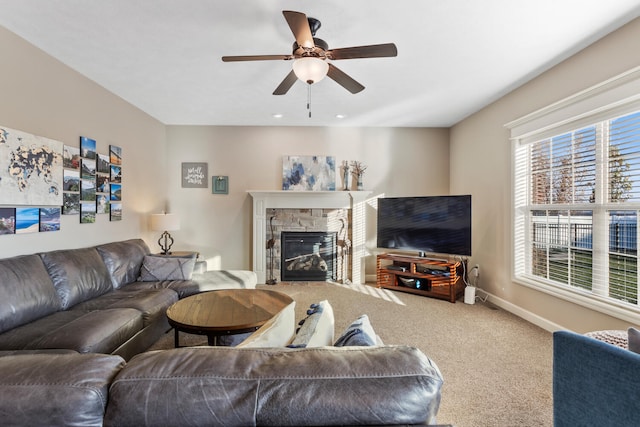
(265, 202)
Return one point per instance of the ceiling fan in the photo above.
(310, 55)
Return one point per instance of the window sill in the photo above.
(593, 302)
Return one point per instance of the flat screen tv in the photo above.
(434, 224)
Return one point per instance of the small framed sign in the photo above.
(220, 184)
(194, 175)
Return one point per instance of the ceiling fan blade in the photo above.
(371, 51)
(300, 27)
(256, 58)
(343, 79)
(286, 84)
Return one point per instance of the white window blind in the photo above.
(576, 203)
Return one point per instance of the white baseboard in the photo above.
(520, 312)
(507, 306)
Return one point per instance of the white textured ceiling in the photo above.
(454, 56)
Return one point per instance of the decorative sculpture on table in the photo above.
(344, 244)
(344, 168)
(270, 246)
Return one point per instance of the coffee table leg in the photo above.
(176, 338)
(212, 339)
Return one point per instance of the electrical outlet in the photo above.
(476, 270)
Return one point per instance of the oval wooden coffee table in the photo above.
(225, 312)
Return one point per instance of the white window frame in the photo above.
(614, 97)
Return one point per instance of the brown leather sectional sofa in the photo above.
(73, 322)
(90, 300)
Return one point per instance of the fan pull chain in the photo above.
(309, 99)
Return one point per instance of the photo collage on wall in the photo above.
(92, 182)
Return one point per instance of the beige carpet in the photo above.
(496, 366)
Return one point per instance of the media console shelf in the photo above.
(422, 276)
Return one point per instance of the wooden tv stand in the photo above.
(422, 276)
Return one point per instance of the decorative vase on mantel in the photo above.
(358, 171)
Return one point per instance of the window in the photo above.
(576, 204)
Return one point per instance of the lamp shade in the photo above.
(310, 69)
(165, 222)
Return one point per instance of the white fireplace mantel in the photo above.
(264, 200)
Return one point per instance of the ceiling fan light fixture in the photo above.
(310, 69)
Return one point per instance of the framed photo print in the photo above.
(103, 163)
(71, 181)
(87, 212)
(71, 157)
(115, 211)
(88, 169)
(116, 192)
(49, 219)
(71, 204)
(87, 148)
(27, 220)
(115, 155)
(102, 203)
(116, 173)
(220, 184)
(7, 220)
(88, 193)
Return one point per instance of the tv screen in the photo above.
(436, 224)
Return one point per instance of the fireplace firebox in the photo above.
(308, 256)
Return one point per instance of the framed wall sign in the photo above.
(194, 175)
(220, 184)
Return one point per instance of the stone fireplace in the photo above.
(337, 214)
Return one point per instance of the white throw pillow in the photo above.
(277, 332)
(317, 329)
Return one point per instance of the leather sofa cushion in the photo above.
(123, 260)
(209, 281)
(100, 331)
(78, 274)
(276, 387)
(55, 389)
(183, 288)
(26, 291)
(153, 303)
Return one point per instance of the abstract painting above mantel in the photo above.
(309, 173)
(30, 169)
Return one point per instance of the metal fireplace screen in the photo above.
(308, 256)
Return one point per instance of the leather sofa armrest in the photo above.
(56, 389)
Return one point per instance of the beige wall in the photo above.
(39, 95)
(481, 165)
(400, 162)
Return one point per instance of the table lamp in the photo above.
(165, 222)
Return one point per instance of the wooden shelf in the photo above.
(422, 276)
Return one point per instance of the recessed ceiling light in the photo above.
(340, 116)
(277, 115)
